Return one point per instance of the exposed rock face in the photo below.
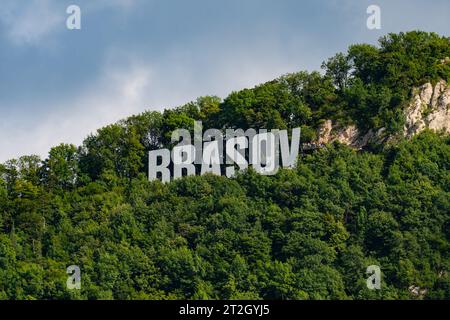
(349, 135)
(329, 133)
(417, 291)
(324, 132)
(429, 108)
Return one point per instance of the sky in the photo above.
(59, 85)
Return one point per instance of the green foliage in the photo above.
(61, 170)
(308, 233)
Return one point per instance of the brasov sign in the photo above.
(211, 152)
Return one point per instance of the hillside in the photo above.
(429, 108)
(376, 191)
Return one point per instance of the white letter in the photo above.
(198, 141)
(374, 20)
(218, 136)
(374, 281)
(265, 155)
(289, 158)
(74, 20)
(153, 168)
(179, 163)
(74, 280)
(235, 155)
(182, 134)
(211, 158)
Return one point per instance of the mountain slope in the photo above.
(304, 233)
(429, 109)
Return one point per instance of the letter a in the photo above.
(374, 20)
(374, 281)
(74, 20)
(74, 280)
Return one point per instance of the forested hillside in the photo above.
(304, 233)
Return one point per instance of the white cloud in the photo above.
(123, 4)
(132, 82)
(114, 96)
(35, 21)
(29, 23)
(128, 85)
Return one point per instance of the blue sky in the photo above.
(59, 85)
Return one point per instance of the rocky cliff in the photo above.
(429, 108)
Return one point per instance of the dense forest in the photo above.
(304, 233)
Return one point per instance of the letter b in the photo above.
(153, 168)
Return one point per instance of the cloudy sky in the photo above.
(59, 85)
